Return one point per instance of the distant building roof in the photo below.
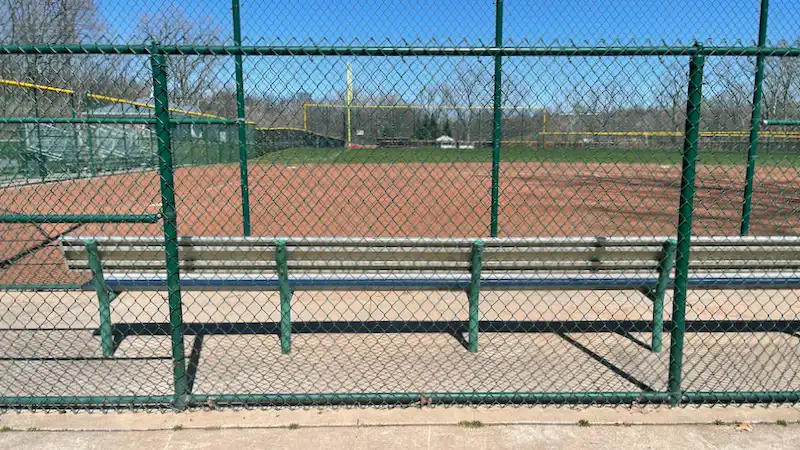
(445, 139)
(129, 110)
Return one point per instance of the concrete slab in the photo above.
(421, 437)
(50, 344)
(359, 417)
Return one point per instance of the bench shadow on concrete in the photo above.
(458, 330)
(455, 329)
(621, 327)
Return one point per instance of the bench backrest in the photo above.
(373, 255)
(761, 253)
(256, 255)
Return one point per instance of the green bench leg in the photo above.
(104, 297)
(657, 295)
(473, 294)
(285, 296)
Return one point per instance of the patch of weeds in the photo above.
(583, 423)
(32, 429)
(5, 429)
(718, 422)
(293, 426)
(471, 424)
(177, 427)
(782, 423)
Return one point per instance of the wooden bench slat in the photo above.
(261, 266)
(579, 254)
(381, 255)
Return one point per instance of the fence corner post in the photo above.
(241, 124)
(169, 217)
(755, 119)
(497, 119)
(685, 215)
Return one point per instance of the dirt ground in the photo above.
(446, 200)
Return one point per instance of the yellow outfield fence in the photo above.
(780, 134)
(106, 98)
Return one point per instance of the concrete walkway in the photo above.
(422, 437)
(569, 428)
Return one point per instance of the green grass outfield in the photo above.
(299, 156)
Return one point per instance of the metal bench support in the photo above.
(104, 297)
(657, 296)
(473, 294)
(285, 296)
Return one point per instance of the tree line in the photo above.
(572, 102)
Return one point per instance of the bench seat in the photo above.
(376, 282)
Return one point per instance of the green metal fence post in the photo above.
(473, 294)
(124, 149)
(92, 168)
(497, 125)
(168, 211)
(75, 140)
(285, 296)
(40, 157)
(104, 298)
(240, 122)
(685, 213)
(754, 121)
(22, 152)
(664, 271)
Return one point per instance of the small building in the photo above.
(445, 142)
(144, 108)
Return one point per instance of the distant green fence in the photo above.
(49, 152)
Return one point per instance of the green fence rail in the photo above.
(359, 259)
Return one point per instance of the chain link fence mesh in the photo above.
(393, 203)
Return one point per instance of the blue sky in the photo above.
(392, 21)
(459, 22)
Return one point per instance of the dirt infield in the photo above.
(413, 199)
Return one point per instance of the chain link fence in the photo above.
(398, 203)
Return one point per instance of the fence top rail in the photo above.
(115, 120)
(781, 123)
(224, 50)
(79, 120)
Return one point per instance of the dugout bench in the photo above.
(120, 264)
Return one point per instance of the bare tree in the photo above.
(469, 91)
(729, 96)
(472, 90)
(517, 98)
(36, 22)
(597, 104)
(52, 21)
(191, 76)
(671, 99)
(781, 79)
